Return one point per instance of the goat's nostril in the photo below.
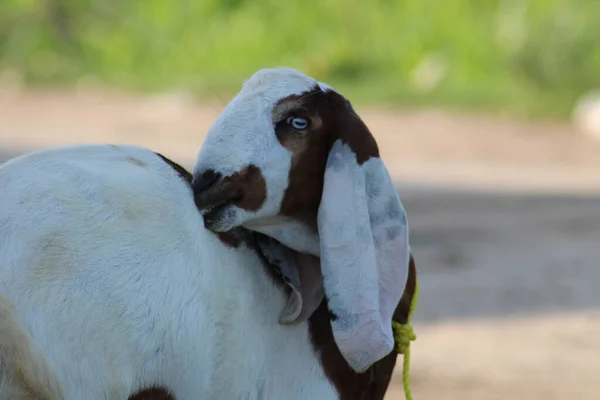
(205, 180)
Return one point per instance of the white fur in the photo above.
(117, 284)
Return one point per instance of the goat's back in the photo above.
(117, 282)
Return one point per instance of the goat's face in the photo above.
(290, 158)
(265, 155)
(243, 169)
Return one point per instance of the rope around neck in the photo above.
(403, 335)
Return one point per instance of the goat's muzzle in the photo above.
(203, 181)
(212, 193)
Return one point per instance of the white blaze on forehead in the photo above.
(238, 135)
(278, 83)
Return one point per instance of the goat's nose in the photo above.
(205, 180)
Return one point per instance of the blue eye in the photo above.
(297, 123)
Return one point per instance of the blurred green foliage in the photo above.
(532, 56)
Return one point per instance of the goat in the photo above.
(290, 158)
(112, 288)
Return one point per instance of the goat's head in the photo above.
(290, 158)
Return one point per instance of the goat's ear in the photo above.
(364, 252)
(309, 291)
(301, 272)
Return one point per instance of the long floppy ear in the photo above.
(364, 246)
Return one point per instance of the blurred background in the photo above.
(487, 113)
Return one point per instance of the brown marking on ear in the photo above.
(350, 128)
(153, 393)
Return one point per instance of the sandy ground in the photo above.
(505, 222)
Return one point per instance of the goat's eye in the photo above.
(297, 123)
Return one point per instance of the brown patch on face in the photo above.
(373, 383)
(155, 393)
(309, 150)
(331, 117)
(246, 189)
(251, 183)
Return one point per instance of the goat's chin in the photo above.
(222, 218)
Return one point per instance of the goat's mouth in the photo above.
(213, 213)
(214, 205)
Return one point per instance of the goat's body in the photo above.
(118, 286)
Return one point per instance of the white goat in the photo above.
(111, 287)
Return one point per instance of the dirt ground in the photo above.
(505, 222)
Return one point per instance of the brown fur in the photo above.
(252, 186)
(246, 189)
(310, 147)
